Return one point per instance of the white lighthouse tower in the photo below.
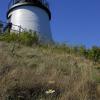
(31, 15)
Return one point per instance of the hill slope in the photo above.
(45, 73)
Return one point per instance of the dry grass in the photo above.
(38, 73)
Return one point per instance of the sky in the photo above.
(74, 22)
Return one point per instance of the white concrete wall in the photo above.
(32, 18)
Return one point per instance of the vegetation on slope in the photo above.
(30, 38)
(33, 71)
(25, 38)
(44, 73)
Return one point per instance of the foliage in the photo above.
(25, 38)
(92, 53)
(45, 73)
(8, 37)
(29, 38)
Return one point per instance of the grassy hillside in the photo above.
(46, 73)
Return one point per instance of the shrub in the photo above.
(25, 38)
(28, 38)
(94, 54)
(7, 37)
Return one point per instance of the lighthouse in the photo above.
(31, 15)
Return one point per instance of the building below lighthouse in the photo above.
(31, 15)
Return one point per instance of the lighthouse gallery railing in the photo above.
(42, 2)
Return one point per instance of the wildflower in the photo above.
(50, 91)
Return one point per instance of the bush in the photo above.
(94, 54)
(25, 38)
(28, 38)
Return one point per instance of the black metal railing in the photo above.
(42, 2)
(8, 26)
